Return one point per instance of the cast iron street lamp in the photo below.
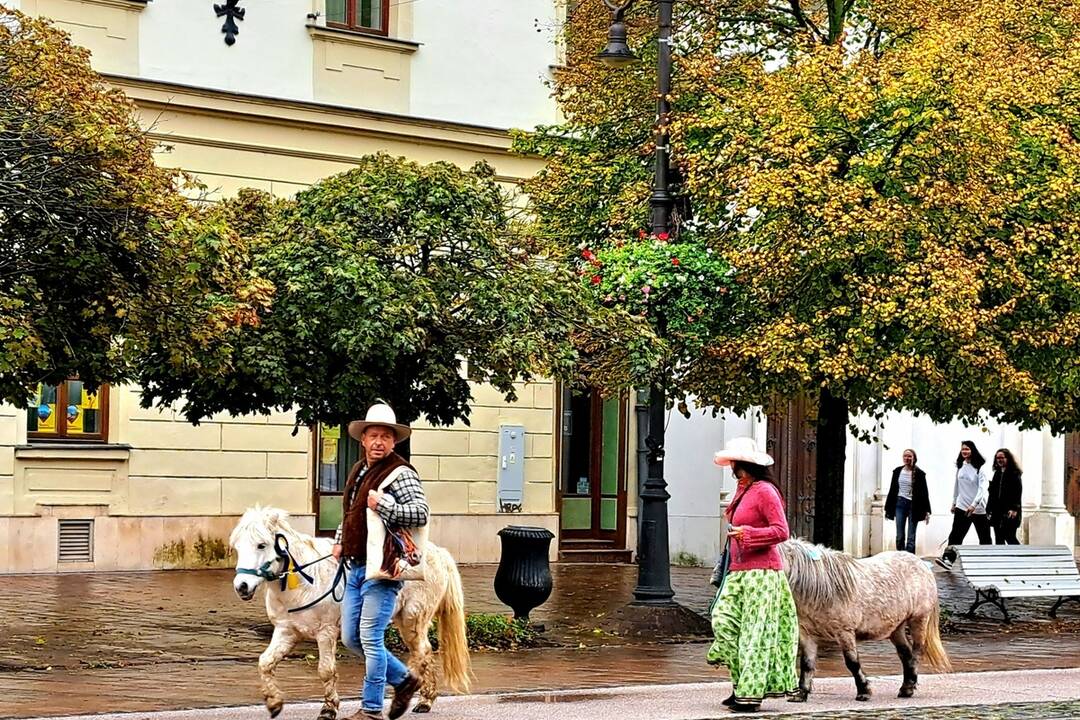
(654, 563)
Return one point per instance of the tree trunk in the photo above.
(831, 457)
(838, 10)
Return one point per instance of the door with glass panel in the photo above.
(336, 453)
(592, 472)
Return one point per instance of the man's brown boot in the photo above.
(403, 694)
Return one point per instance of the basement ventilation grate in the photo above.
(75, 541)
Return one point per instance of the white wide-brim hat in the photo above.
(383, 416)
(742, 449)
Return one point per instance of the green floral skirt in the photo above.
(756, 634)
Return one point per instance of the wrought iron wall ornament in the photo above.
(231, 13)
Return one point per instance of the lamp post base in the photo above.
(658, 621)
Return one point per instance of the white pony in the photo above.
(258, 563)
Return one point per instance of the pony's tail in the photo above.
(453, 641)
(934, 652)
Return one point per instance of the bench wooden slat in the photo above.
(1028, 559)
(1015, 566)
(1021, 572)
(1040, 582)
(1043, 581)
(1012, 550)
(1027, 549)
(1038, 592)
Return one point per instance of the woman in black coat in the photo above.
(908, 501)
(1006, 489)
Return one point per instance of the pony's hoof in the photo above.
(275, 710)
(422, 707)
(863, 696)
(327, 713)
(906, 692)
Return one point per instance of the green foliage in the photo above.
(392, 280)
(894, 184)
(687, 559)
(79, 193)
(100, 255)
(682, 288)
(484, 631)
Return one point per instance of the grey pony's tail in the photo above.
(934, 653)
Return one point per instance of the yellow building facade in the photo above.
(297, 97)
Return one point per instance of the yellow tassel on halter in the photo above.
(293, 580)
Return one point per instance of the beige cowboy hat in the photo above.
(742, 449)
(383, 415)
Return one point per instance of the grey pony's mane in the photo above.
(817, 574)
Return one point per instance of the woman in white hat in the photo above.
(754, 622)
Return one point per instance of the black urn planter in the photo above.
(523, 580)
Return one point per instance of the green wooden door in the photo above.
(593, 468)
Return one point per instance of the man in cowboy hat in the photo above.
(368, 604)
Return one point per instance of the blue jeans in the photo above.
(366, 610)
(906, 525)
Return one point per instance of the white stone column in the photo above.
(865, 483)
(1051, 524)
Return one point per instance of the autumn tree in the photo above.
(96, 241)
(392, 280)
(894, 186)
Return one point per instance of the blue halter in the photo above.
(288, 565)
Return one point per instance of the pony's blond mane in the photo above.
(817, 574)
(260, 524)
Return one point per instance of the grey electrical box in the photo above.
(511, 489)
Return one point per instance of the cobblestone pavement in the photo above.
(1068, 710)
(153, 641)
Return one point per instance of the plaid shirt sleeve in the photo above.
(403, 504)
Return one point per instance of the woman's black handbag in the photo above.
(719, 573)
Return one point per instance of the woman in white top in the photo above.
(970, 495)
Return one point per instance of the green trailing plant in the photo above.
(484, 631)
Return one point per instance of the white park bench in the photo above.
(999, 572)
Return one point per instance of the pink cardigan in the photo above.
(761, 512)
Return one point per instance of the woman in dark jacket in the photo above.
(1006, 489)
(908, 501)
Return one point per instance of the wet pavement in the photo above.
(1028, 695)
(163, 640)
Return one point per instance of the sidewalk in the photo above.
(1046, 695)
(157, 641)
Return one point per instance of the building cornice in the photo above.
(177, 138)
(353, 37)
(132, 5)
(159, 95)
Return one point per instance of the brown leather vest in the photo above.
(354, 529)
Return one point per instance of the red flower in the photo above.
(642, 234)
(662, 237)
(596, 279)
(675, 261)
(588, 254)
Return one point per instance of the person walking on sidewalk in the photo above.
(1006, 489)
(908, 501)
(971, 492)
(368, 604)
(754, 621)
